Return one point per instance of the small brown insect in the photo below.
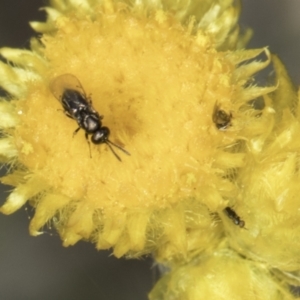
(221, 118)
(234, 217)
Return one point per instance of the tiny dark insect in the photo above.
(77, 106)
(234, 217)
(221, 118)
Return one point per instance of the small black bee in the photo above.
(221, 118)
(70, 93)
(234, 217)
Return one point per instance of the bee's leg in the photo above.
(65, 112)
(89, 98)
(76, 131)
(68, 115)
(88, 141)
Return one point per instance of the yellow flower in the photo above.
(174, 91)
(201, 166)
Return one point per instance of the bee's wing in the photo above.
(65, 82)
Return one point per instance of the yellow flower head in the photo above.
(173, 90)
(223, 275)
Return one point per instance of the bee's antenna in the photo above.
(109, 143)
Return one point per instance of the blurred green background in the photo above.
(39, 268)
